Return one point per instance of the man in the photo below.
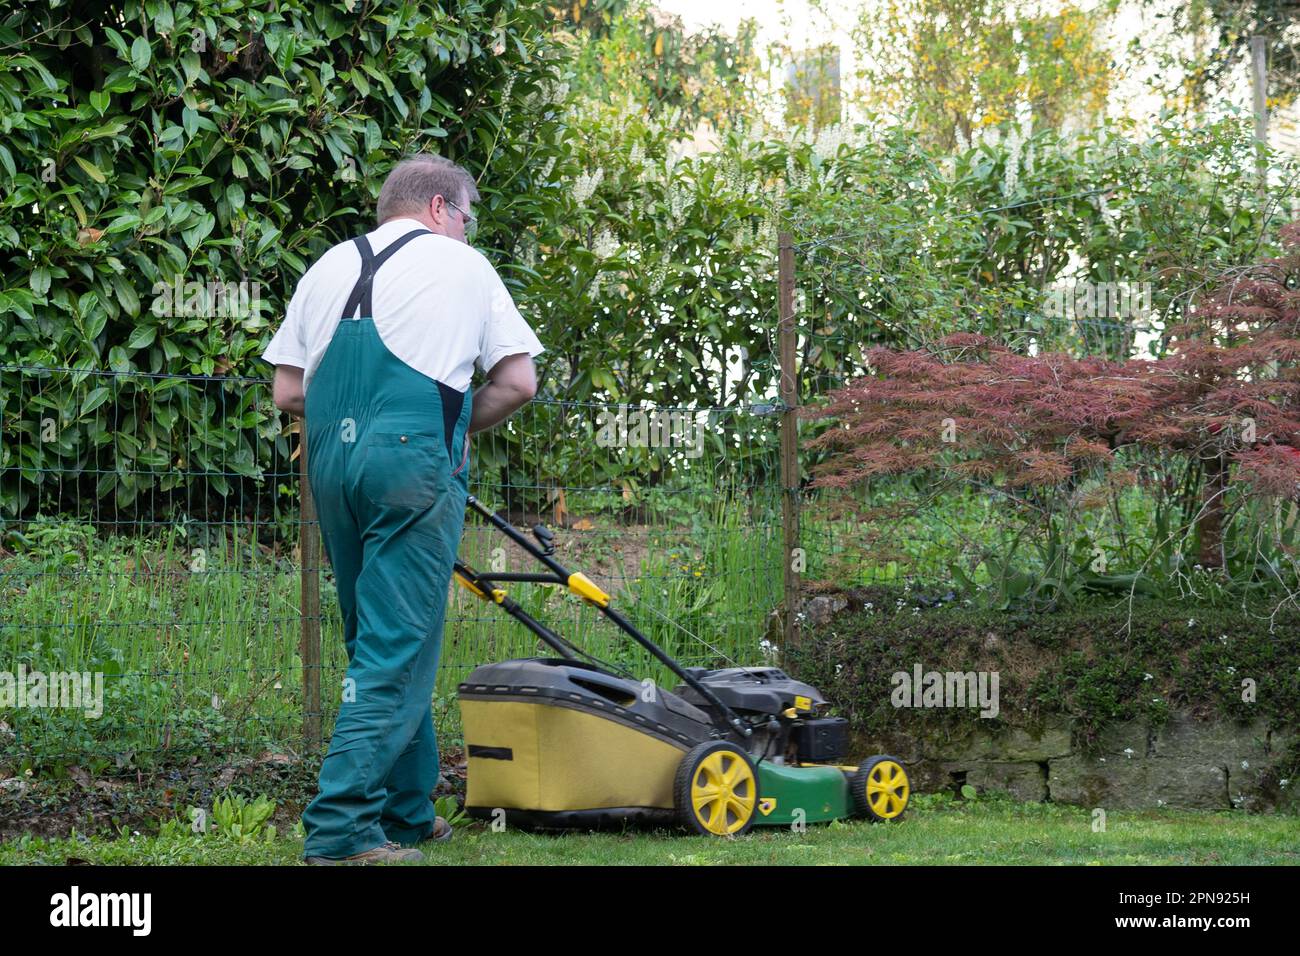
(377, 351)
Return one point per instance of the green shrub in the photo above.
(214, 149)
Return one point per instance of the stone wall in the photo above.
(1187, 763)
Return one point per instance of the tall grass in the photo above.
(198, 638)
(197, 643)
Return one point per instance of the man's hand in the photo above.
(510, 385)
(286, 389)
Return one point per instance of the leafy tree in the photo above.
(956, 66)
(630, 50)
(1192, 80)
(813, 95)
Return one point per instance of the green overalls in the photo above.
(386, 461)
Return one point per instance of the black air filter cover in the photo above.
(821, 741)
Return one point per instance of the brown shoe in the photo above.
(385, 853)
(441, 831)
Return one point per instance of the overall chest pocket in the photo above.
(406, 470)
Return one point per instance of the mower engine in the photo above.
(783, 713)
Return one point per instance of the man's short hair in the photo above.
(413, 183)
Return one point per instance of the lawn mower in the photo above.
(568, 741)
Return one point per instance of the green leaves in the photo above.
(91, 169)
(236, 143)
(40, 280)
(236, 818)
(96, 397)
(210, 146)
(140, 54)
(142, 338)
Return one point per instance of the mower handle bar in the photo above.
(586, 589)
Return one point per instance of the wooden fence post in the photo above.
(789, 394)
(1259, 84)
(309, 642)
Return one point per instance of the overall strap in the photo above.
(370, 263)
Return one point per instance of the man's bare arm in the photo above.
(510, 386)
(286, 389)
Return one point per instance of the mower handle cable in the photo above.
(585, 588)
(481, 586)
(527, 578)
(517, 577)
(695, 637)
(749, 729)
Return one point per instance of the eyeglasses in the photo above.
(471, 222)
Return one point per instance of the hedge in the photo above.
(207, 147)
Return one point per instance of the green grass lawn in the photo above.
(936, 830)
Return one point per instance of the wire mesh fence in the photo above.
(152, 538)
(151, 560)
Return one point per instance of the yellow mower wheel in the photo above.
(880, 789)
(715, 791)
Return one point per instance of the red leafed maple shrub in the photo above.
(1215, 423)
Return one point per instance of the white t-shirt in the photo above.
(439, 306)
